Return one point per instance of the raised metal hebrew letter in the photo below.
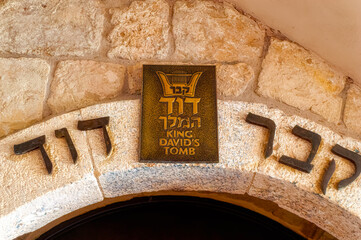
(327, 176)
(267, 123)
(65, 134)
(315, 140)
(97, 123)
(351, 156)
(36, 143)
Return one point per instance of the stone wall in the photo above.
(73, 54)
(61, 56)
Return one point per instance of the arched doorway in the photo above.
(170, 217)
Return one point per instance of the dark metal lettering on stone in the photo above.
(95, 124)
(36, 143)
(63, 133)
(351, 156)
(327, 176)
(315, 140)
(267, 123)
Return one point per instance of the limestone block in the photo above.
(30, 197)
(286, 143)
(233, 79)
(206, 31)
(82, 83)
(293, 189)
(59, 28)
(135, 78)
(141, 31)
(353, 109)
(120, 173)
(22, 92)
(311, 207)
(299, 78)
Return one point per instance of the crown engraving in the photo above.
(179, 83)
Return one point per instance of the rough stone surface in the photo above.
(353, 109)
(232, 80)
(292, 186)
(141, 31)
(22, 92)
(68, 27)
(82, 83)
(299, 78)
(50, 206)
(241, 147)
(121, 173)
(30, 197)
(208, 31)
(175, 178)
(135, 78)
(311, 207)
(285, 143)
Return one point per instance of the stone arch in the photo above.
(47, 73)
(242, 169)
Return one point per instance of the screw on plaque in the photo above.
(97, 123)
(354, 158)
(63, 132)
(327, 176)
(315, 140)
(36, 143)
(267, 123)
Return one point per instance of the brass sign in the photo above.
(179, 114)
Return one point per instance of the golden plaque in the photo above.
(179, 114)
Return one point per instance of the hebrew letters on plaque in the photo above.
(179, 114)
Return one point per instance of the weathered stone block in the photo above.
(300, 192)
(135, 78)
(207, 31)
(37, 27)
(22, 92)
(141, 31)
(121, 173)
(79, 84)
(30, 197)
(233, 79)
(353, 109)
(311, 207)
(299, 78)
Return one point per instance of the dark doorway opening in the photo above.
(170, 217)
